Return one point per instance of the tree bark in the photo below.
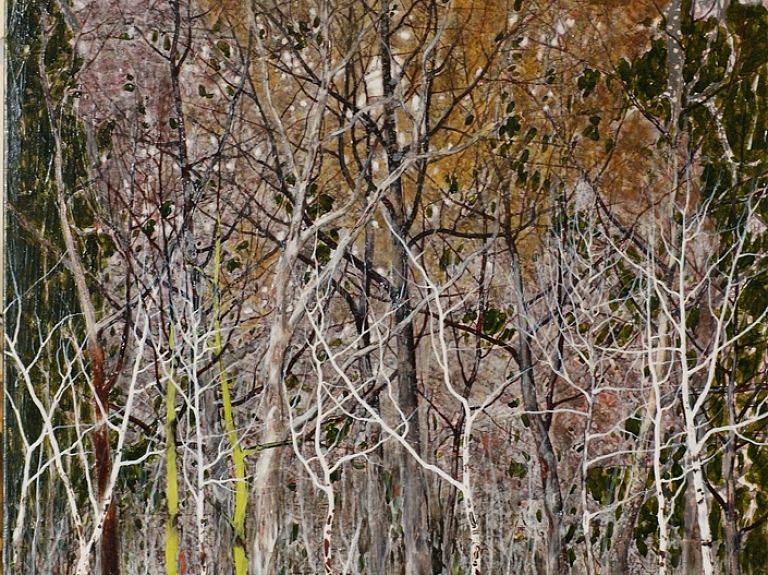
(731, 517)
(109, 543)
(617, 559)
(377, 521)
(545, 452)
(691, 559)
(418, 556)
(266, 482)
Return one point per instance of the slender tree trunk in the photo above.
(731, 517)
(702, 512)
(417, 551)
(266, 482)
(109, 554)
(109, 544)
(376, 551)
(728, 500)
(691, 559)
(377, 522)
(617, 558)
(693, 460)
(449, 517)
(545, 452)
(418, 557)
(731, 523)
(695, 468)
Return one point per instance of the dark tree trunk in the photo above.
(547, 459)
(418, 556)
(730, 514)
(617, 558)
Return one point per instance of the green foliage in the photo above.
(233, 264)
(389, 486)
(706, 58)
(321, 206)
(592, 130)
(306, 33)
(104, 135)
(493, 321)
(758, 476)
(602, 483)
(750, 22)
(518, 470)
(223, 48)
(336, 431)
(650, 74)
(646, 78)
(755, 554)
(588, 81)
(647, 526)
(633, 424)
(322, 254)
(511, 127)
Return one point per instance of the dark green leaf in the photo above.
(493, 321)
(224, 48)
(588, 81)
(517, 469)
(166, 208)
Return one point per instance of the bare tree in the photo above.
(63, 446)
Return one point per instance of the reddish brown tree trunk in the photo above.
(109, 545)
(109, 555)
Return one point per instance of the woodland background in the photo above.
(386, 287)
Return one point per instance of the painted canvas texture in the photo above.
(385, 287)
